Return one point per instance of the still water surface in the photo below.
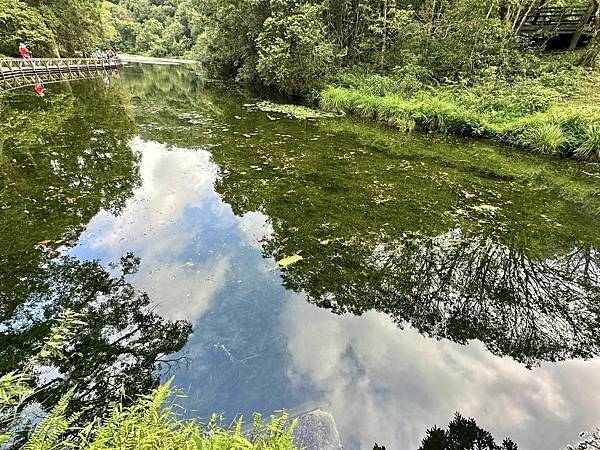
(438, 274)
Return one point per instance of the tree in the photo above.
(20, 22)
(293, 49)
(463, 434)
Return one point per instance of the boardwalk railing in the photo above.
(555, 20)
(16, 73)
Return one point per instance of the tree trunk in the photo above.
(590, 56)
(385, 32)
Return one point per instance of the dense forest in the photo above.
(291, 44)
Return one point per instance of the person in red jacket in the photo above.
(25, 53)
(38, 86)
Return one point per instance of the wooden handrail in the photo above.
(17, 72)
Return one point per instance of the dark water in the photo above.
(437, 274)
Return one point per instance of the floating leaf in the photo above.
(286, 262)
(485, 208)
(289, 260)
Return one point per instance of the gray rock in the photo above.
(316, 430)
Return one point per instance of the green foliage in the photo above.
(589, 149)
(293, 51)
(50, 29)
(463, 434)
(547, 138)
(48, 434)
(148, 423)
(152, 423)
(20, 22)
(153, 28)
(550, 113)
(16, 388)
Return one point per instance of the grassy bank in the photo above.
(556, 112)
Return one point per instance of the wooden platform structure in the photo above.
(16, 73)
(577, 22)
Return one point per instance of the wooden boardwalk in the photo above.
(16, 73)
(552, 21)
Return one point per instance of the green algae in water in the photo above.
(293, 111)
(462, 240)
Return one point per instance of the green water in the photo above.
(437, 274)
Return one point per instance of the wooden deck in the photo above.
(556, 21)
(16, 73)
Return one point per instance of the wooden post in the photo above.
(584, 21)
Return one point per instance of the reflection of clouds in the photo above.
(163, 223)
(172, 181)
(256, 227)
(184, 292)
(389, 385)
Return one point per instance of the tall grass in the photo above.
(529, 113)
(547, 138)
(589, 148)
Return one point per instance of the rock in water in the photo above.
(316, 430)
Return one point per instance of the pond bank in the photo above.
(151, 60)
(546, 115)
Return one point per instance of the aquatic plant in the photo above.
(294, 111)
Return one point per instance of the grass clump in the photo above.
(589, 149)
(547, 138)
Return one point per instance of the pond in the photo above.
(433, 275)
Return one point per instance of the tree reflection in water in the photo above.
(125, 344)
(459, 288)
(62, 161)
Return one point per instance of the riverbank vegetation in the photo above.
(553, 113)
(54, 28)
(454, 66)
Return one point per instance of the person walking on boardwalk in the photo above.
(25, 53)
(100, 54)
